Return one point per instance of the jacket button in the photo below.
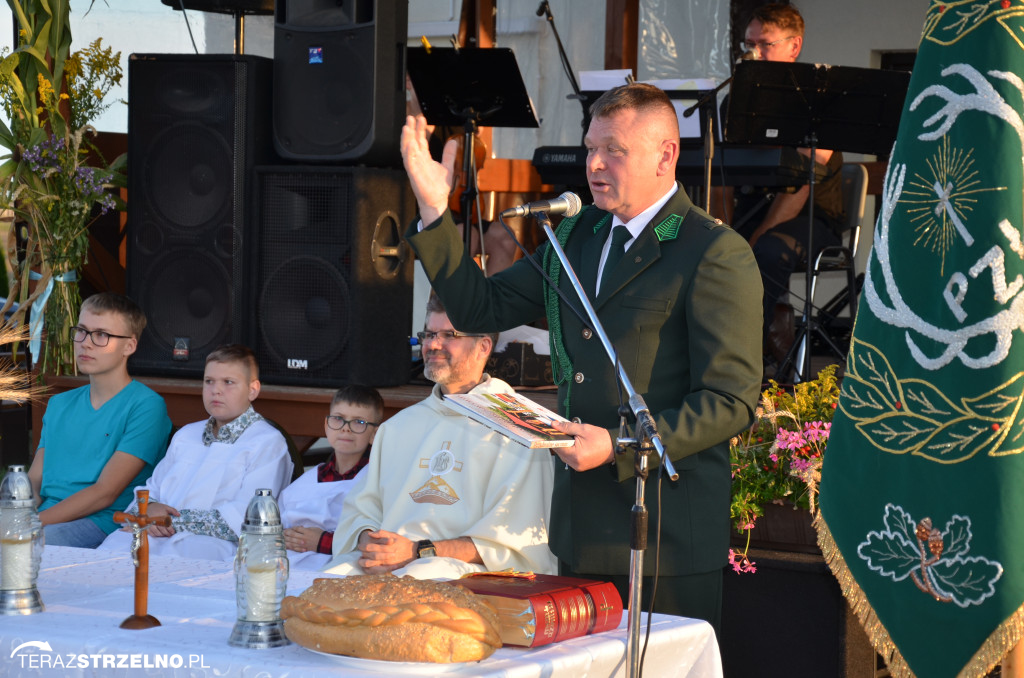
(587, 333)
(578, 378)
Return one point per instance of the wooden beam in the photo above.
(621, 25)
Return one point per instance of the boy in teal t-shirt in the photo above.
(101, 440)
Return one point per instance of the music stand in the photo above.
(470, 87)
(842, 108)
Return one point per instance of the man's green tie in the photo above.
(620, 234)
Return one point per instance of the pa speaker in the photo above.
(197, 124)
(339, 78)
(333, 276)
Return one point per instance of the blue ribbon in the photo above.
(35, 322)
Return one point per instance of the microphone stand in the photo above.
(545, 11)
(647, 438)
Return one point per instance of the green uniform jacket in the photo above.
(683, 310)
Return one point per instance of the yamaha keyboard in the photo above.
(731, 166)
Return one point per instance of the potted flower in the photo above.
(777, 462)
(52, 177)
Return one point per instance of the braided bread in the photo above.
(386, 617)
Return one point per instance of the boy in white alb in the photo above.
(214, 467)
(311, 506)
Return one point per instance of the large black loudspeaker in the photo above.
(790, 591)
(339, 78)
(197, 124)
(333, 276)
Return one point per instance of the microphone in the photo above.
(568, 204)
(543, 8)
(749, 56)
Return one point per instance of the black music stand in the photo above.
(812, 106)
(470, 87)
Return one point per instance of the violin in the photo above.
(460, 181)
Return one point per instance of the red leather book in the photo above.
(538, 609)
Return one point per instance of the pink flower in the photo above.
(816, 431)
(741, 563)
(790, 440)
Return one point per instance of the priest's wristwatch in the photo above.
(425, 549)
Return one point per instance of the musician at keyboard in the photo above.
(777, 226)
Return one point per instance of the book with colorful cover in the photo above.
(538, 609)
(515, 416)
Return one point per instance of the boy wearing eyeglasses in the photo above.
(311, 506)
(100, 440)
(213, 467)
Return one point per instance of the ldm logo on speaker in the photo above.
(298, 364)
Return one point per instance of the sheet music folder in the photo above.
(846, 108)
(450, 82)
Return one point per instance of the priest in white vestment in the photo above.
(443, 495)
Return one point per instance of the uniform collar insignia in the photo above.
(669, 228)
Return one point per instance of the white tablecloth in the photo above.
(87, 595)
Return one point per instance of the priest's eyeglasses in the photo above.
(99, 337)
(336, 423)
(444, 335)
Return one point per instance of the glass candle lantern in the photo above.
(21, 544)
(261, 576)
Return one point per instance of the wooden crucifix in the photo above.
(140, 556)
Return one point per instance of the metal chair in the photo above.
(840, 259)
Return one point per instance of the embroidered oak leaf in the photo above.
(893, 551)
(889, 554)
(937, 562)
(967, 581)
(958, 536)
(899, 521)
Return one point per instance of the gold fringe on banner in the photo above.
(991, 652)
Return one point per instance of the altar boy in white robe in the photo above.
(311, 506)
(214, 467)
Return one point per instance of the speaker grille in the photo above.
(197, 123)
(334, 285)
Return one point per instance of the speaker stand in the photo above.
(239, 31)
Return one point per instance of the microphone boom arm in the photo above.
(645, 421)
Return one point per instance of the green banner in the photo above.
(922, 493)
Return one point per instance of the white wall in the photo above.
(854, 33)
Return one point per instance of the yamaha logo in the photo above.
(297, 364)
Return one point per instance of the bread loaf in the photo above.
(381, 616)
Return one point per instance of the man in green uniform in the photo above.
(679, 296)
